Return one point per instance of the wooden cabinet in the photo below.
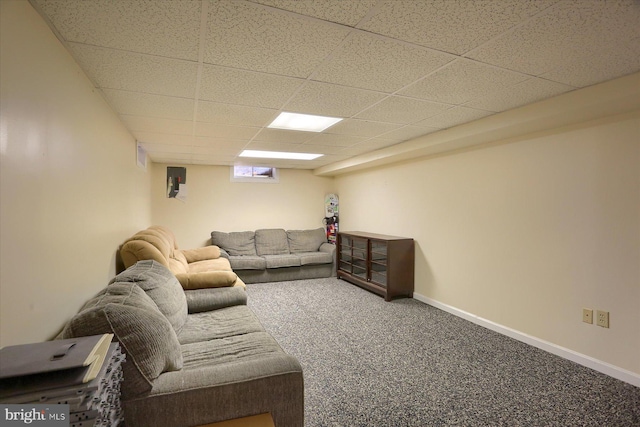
(379, 263)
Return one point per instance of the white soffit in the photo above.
(607, 99)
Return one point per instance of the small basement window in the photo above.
(254, 174)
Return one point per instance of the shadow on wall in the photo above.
(425, 282)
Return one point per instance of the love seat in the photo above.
(270, 255)
(194, 268)
(190, 361)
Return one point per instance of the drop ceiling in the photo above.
(197, 82)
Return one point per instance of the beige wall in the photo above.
(70, 187)
(216, 203)
(524, 234)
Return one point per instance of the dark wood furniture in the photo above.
(382, 264)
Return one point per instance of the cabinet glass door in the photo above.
(353, 256)
(345, 254)
(359, 257)
(379, 263)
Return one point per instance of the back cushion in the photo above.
(178, 263)
(272, 241)
(306, 240)
(235, 243)
(146, 336)
(146, 244)
(161, 286)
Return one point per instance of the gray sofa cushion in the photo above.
(147, 337)
(161, 286)
(272, 241)
(247, 263)
(235, 243)
(309, 258)
(306, 240)
(219, 324)
(283, 260)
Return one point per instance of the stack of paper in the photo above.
(84, 373)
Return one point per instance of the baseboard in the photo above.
(584, 360)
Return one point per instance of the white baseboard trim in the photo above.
(582, 359)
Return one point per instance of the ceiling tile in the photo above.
(246, 87)
(401, 110)
(166, 149)
(355, 127)
(173, 158)
(367, 146)
(331, 100)
(284, 136)
(462, 81)
(214, 112)
(165, 28)
(251, 37)
(274, 146)
(143, 104)
(570, 32)
(206, 159)
(164, 138)
(454, 116)
(450, 26)
(335, 140)
(319, 149)
(153, 124)
(408, 132)
(213, 147)
(532, 90)
(116, 69)
(347, 12)
(218, 130)
(594, 69)
(371, 62)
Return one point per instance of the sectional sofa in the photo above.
(194, 268)
(275, 254)
(193, 357)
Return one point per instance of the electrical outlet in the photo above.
(587, 315)
(603, 318)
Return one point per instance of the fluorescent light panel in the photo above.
(304, 122)
(279, 155)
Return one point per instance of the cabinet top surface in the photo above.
(372, 235)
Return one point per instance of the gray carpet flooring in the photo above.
(404, 363)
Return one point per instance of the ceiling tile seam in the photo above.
(309, 78)
(145, 54)
(64, 43)
(189, 98)
(295, 14)
(204, 19)
(514, 28)
(356, 29)
(370, 13)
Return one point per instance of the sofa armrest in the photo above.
(327, 247)
(223, 253)
(199, 300)
(201, 254)
(207, 279)
(221, 391)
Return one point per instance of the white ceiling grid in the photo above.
(196, 82)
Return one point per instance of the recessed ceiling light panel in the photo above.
(279, 155)
(304, 122)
